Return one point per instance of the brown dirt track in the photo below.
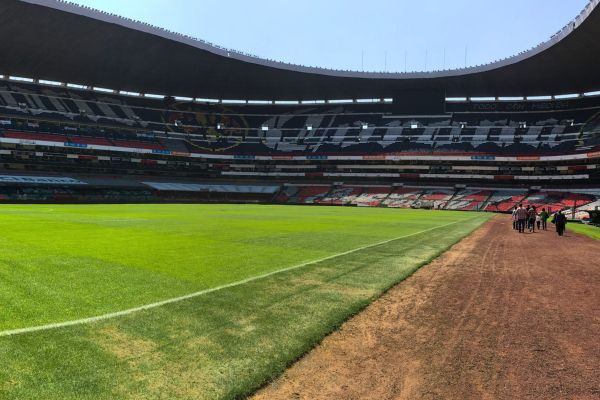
(499, 316)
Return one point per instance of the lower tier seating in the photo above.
(500, 200)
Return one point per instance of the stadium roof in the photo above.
(55, 40)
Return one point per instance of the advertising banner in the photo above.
(40, 180)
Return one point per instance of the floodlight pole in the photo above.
(362, 61)
(385, 62)
(444, 58)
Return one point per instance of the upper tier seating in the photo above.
(82, 140)
(329, 129)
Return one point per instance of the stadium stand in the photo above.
(505, 200)
(311, 194)
(435, 198)
(402, 198)
(580, 212)
(371, 196)
(350, 129)
(559, 200)
(461, 154)
(469, 200)
(341, 196)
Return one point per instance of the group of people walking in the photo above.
(528, 218)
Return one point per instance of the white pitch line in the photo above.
(47, 327)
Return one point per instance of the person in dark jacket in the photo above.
(560, 221)
(544, 216)
(531, 214)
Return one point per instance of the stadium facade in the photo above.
(94, 107)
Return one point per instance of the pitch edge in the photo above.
(47, 327)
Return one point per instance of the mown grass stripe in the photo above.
(83, 321)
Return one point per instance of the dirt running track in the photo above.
(500, 316)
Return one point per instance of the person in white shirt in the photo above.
(515, 219)
(522, 218)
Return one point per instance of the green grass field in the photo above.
(587, 230)
(64, 263)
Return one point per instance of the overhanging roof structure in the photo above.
(55, 40)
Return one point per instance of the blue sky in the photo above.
(370, 35)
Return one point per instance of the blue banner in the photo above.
(78, 145)
(161, 152)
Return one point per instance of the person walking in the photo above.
(544, 217)
(521, 218)
(532, 213)
(560, 220)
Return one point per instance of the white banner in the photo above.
(50, 180)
